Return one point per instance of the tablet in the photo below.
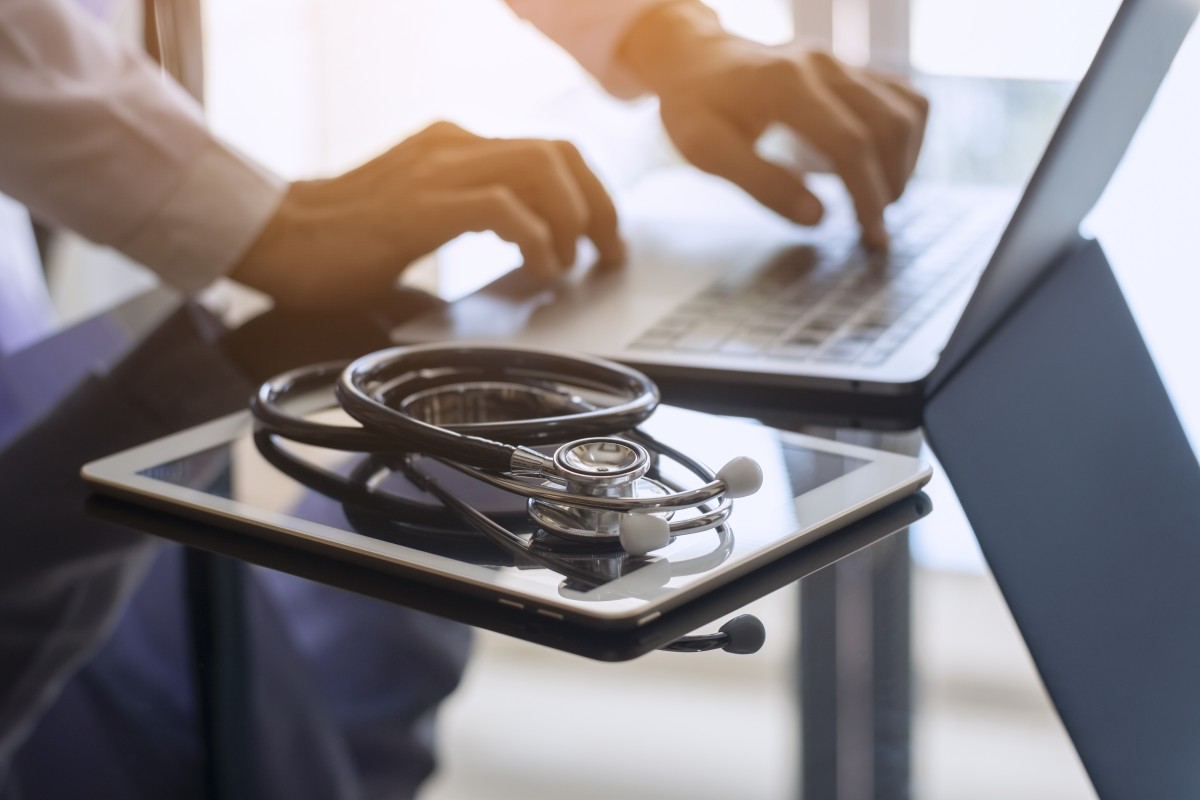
(338, 506)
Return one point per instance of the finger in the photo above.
(534, 170)
(416, 149)
(496, 209)
(715, 145)
(919, 104)
(892, 123)
(602, 226)
(901, 87)
(444, 132)
(815, 113)
(546, 181)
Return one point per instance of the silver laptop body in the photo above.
(719, 293)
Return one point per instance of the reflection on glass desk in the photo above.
(137, 383)
(830, 661)
(367, 510)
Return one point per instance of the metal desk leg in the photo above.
(215, 595)
(855, 676)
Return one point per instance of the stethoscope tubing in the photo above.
(368, 388)
(362, 399)
(493, 530)
(362, 389)
(373, 389)
(625, 505)
(356, 491)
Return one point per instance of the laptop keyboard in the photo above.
(833, 302)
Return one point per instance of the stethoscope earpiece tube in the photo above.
(741, 635)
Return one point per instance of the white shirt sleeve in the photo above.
(591, 31)
(93, 138)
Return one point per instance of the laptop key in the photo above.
(844, 351)
(834, 302)
(808, 336)
(706, 336)
(749, 342)
(650, 343)
(875, 358)
(792, 351)
(868, 332)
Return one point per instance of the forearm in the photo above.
(666, 38)
(94, 139)
(592, 32)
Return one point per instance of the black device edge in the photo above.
(489, 613)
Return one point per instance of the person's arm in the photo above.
(93, 138)
(592, 32)
(720, 92)
(342, 241)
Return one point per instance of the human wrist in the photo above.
(666, 45)
(218, 207)
(323, 248)
(267, 262)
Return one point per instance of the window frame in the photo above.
(878, 28)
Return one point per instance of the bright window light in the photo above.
(1031, 39)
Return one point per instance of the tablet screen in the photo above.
(359, 505)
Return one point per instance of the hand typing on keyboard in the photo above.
(719, 93)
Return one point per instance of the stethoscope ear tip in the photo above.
(745, 635)
(742, 477)
(641, 533)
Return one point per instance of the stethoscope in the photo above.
(478, 409)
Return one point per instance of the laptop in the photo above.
(734, 305)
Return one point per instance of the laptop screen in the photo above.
(1082, 155)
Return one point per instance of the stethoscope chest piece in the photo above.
(601, 466)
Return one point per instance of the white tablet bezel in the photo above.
(885, 478)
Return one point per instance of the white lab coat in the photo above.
(92, 138)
